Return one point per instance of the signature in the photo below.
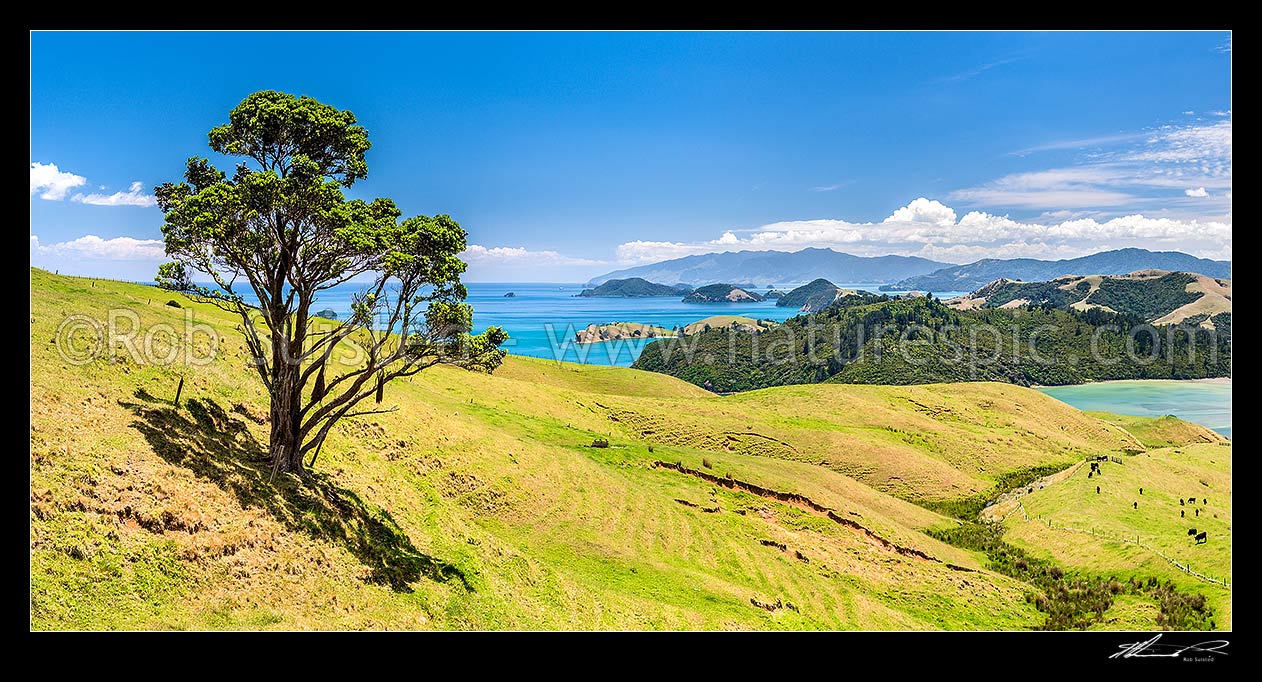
(1153, 649)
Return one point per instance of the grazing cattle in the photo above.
(1201, 537)
(1180, 501)
(1141, 491)
(1137, 505)
(1191, 531)
(1097, 490)
(1090, 474)
(1198, 512)
(1182, 513)
(1204, 500)
(1030, 490)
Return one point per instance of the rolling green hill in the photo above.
(862, 339)
(1105, 531)
(481, 503)
(1155, 296)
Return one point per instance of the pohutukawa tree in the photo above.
(281, 230)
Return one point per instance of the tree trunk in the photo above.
(286, 446)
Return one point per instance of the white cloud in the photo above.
(1189, 113)
(134, 196)
(979, 70)
(1127, 178)
(923, 210)
(477, 254)
(52, 183)
(931, 229)
(1082, 143)
(1198, 192)
(832, 187)
(92, 246)
(1190, 144)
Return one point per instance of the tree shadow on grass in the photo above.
(205, 439)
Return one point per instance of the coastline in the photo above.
(1222, 381)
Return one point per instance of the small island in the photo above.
(814, 296)
(736, 322)
(773, 294)
(722, 293)
(510, 295)
(327, 314)
(615, 331)
(634, 287)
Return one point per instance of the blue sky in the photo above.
(566, 155)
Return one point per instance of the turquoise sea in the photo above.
(1205, 402)
(541, 318)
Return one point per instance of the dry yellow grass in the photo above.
(479, 504)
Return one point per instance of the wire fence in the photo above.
(1132, 540)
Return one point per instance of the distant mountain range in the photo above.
(1120, 262)
(777, 267)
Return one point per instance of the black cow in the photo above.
(1182, 513)
(1201, 537)
(1204, 500)
(1097, 490)
(1141, 491)
(1090, 474)
(1198, 512)
(1191, 531)
(1137, 505)
(1180, 501)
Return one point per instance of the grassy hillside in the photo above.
(481, 503)
(1113, 522)
(597, 333)
(596, 379)
(1154, 296)
(1161, 432)
(717, 321)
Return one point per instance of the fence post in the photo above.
(178, 390)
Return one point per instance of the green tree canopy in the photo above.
(281, 229)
